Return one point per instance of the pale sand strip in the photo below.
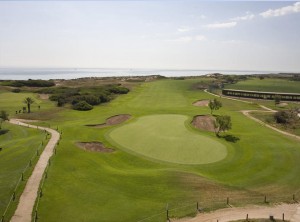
(26, 203)
(254, 212)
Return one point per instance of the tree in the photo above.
(287, 117)
(28, 101)
(277, 99)
(3, 117)
(214, 105)
(222, 123)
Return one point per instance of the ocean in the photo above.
(69, 73)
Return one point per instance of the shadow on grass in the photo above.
(230, 138)
(3, 131)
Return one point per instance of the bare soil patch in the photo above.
(201, 103)
(44, 96)
(113, 120)
(282, 104)
(94, 146)
(204, 123)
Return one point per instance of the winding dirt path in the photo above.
(265, 109)
(29, 195)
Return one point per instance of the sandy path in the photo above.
(254, 212)
(247, 113)
(29, 195)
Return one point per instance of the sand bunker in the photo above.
(282, 104)
(113, 120)
(95, 147)
(44, 96)
(204, 123)
(201, 103)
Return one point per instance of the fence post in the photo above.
(22, 176)
(283, 217)
(293, 197)
(41, 192)
(14, 196)
(247, 217)
(167, 208)
(227, 201)
(197, 206)
(265, 200)
(36, 216)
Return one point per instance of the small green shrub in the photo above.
(118, 90)
(82, 106)
(16, 90)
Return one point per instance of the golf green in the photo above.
(166, 138)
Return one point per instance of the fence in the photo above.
(12, 203)
(193, 208)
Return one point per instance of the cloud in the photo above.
(222, 25)
(281, 11)
(183, 39)
(200, 38)
(184, 29)
(186, 39)
(243, 18)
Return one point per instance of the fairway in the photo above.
(166, 138)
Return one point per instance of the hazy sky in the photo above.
(151, 34)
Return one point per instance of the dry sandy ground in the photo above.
(29, 195)
(44, 96)
(94, 146)
(201, 103)
(254, 212)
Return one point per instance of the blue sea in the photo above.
(74, 73)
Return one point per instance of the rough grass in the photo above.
(267, 85)
(269, 119)
(166, 138)
(19, 146)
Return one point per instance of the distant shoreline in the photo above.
(69, 73)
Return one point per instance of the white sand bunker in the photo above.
(201, 102)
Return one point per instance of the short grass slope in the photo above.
(19, 145)
(166, 138)
(267, 85)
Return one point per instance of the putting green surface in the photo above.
(166, 138)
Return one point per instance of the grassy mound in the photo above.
(165, 137)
